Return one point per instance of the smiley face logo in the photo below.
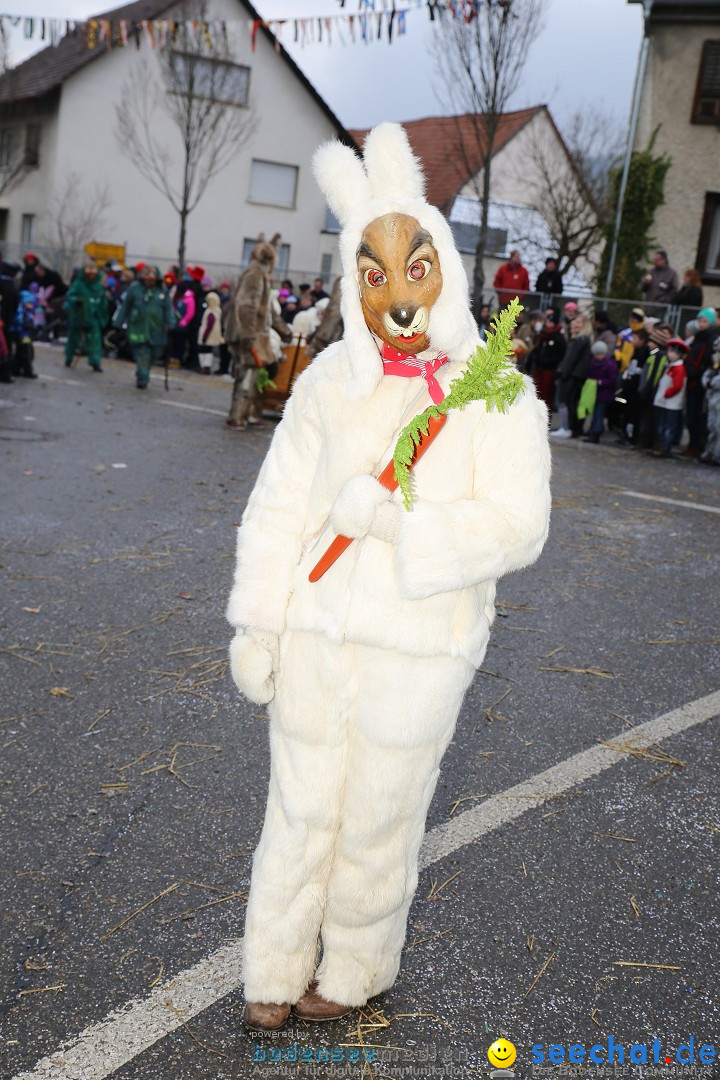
(502, 1054)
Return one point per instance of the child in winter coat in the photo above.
(22, 332)
(603, 370)
(711, 382)
(670, 396)
(210, 337)
(650, 376)
(572, 373)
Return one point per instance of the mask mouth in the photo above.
(408, 334)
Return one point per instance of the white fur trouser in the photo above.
(356, 737)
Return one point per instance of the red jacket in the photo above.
(676, 372)
(511, 281)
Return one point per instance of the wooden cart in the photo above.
(296, 360)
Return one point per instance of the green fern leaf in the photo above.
(489, 376)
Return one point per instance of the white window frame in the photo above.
(27, 229)
(259, 197)
(217, 84)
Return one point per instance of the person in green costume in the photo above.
(87, 310)
(148, 313)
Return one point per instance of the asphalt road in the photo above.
(133, 776)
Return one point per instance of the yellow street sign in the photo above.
(103, 253)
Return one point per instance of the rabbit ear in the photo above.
(276, 239)
(342, 179)
(390, 163)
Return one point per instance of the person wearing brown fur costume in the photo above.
(251, 317)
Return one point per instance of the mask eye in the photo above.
(374, 278)
(419, 269)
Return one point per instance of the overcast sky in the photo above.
(585, 56)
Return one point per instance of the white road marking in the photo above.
(56, 378)
(673, 502)
(125, 1033)
(193, 408)
(499, 809)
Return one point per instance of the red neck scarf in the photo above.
(407, 366)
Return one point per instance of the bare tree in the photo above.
(15, 161)
(479, 62)
(76, 211)
(197, 86)
(572, 191)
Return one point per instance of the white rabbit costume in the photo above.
(365, 670)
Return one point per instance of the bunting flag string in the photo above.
(373, 21)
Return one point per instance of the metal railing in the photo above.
(617, 308)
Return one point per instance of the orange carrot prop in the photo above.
(387, 479)
(489, 377)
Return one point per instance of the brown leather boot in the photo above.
(265, 1017)
(313, 1007)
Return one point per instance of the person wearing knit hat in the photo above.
(603, 371)
(697, 362)
(569, 312)
(624, 345)
(194, 276)
(147, 312)
(30, 265)
(210, 336)
(86, 306)
(650, 375)
(670, 397)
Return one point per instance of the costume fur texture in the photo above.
(375, 658)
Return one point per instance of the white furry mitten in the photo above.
(355, 507)
(254, 659)
(385, 524)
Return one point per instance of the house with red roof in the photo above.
(529, 153)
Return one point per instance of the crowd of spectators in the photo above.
(656, 388)
(642, 382)
(135, 313)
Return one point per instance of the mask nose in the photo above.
(403, 316)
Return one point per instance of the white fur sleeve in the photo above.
(447, 546)
(269, 541)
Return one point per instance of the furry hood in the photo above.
(388, 180)
(265, 253)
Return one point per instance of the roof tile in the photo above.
(451, 148)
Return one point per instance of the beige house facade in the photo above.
(680, 99)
